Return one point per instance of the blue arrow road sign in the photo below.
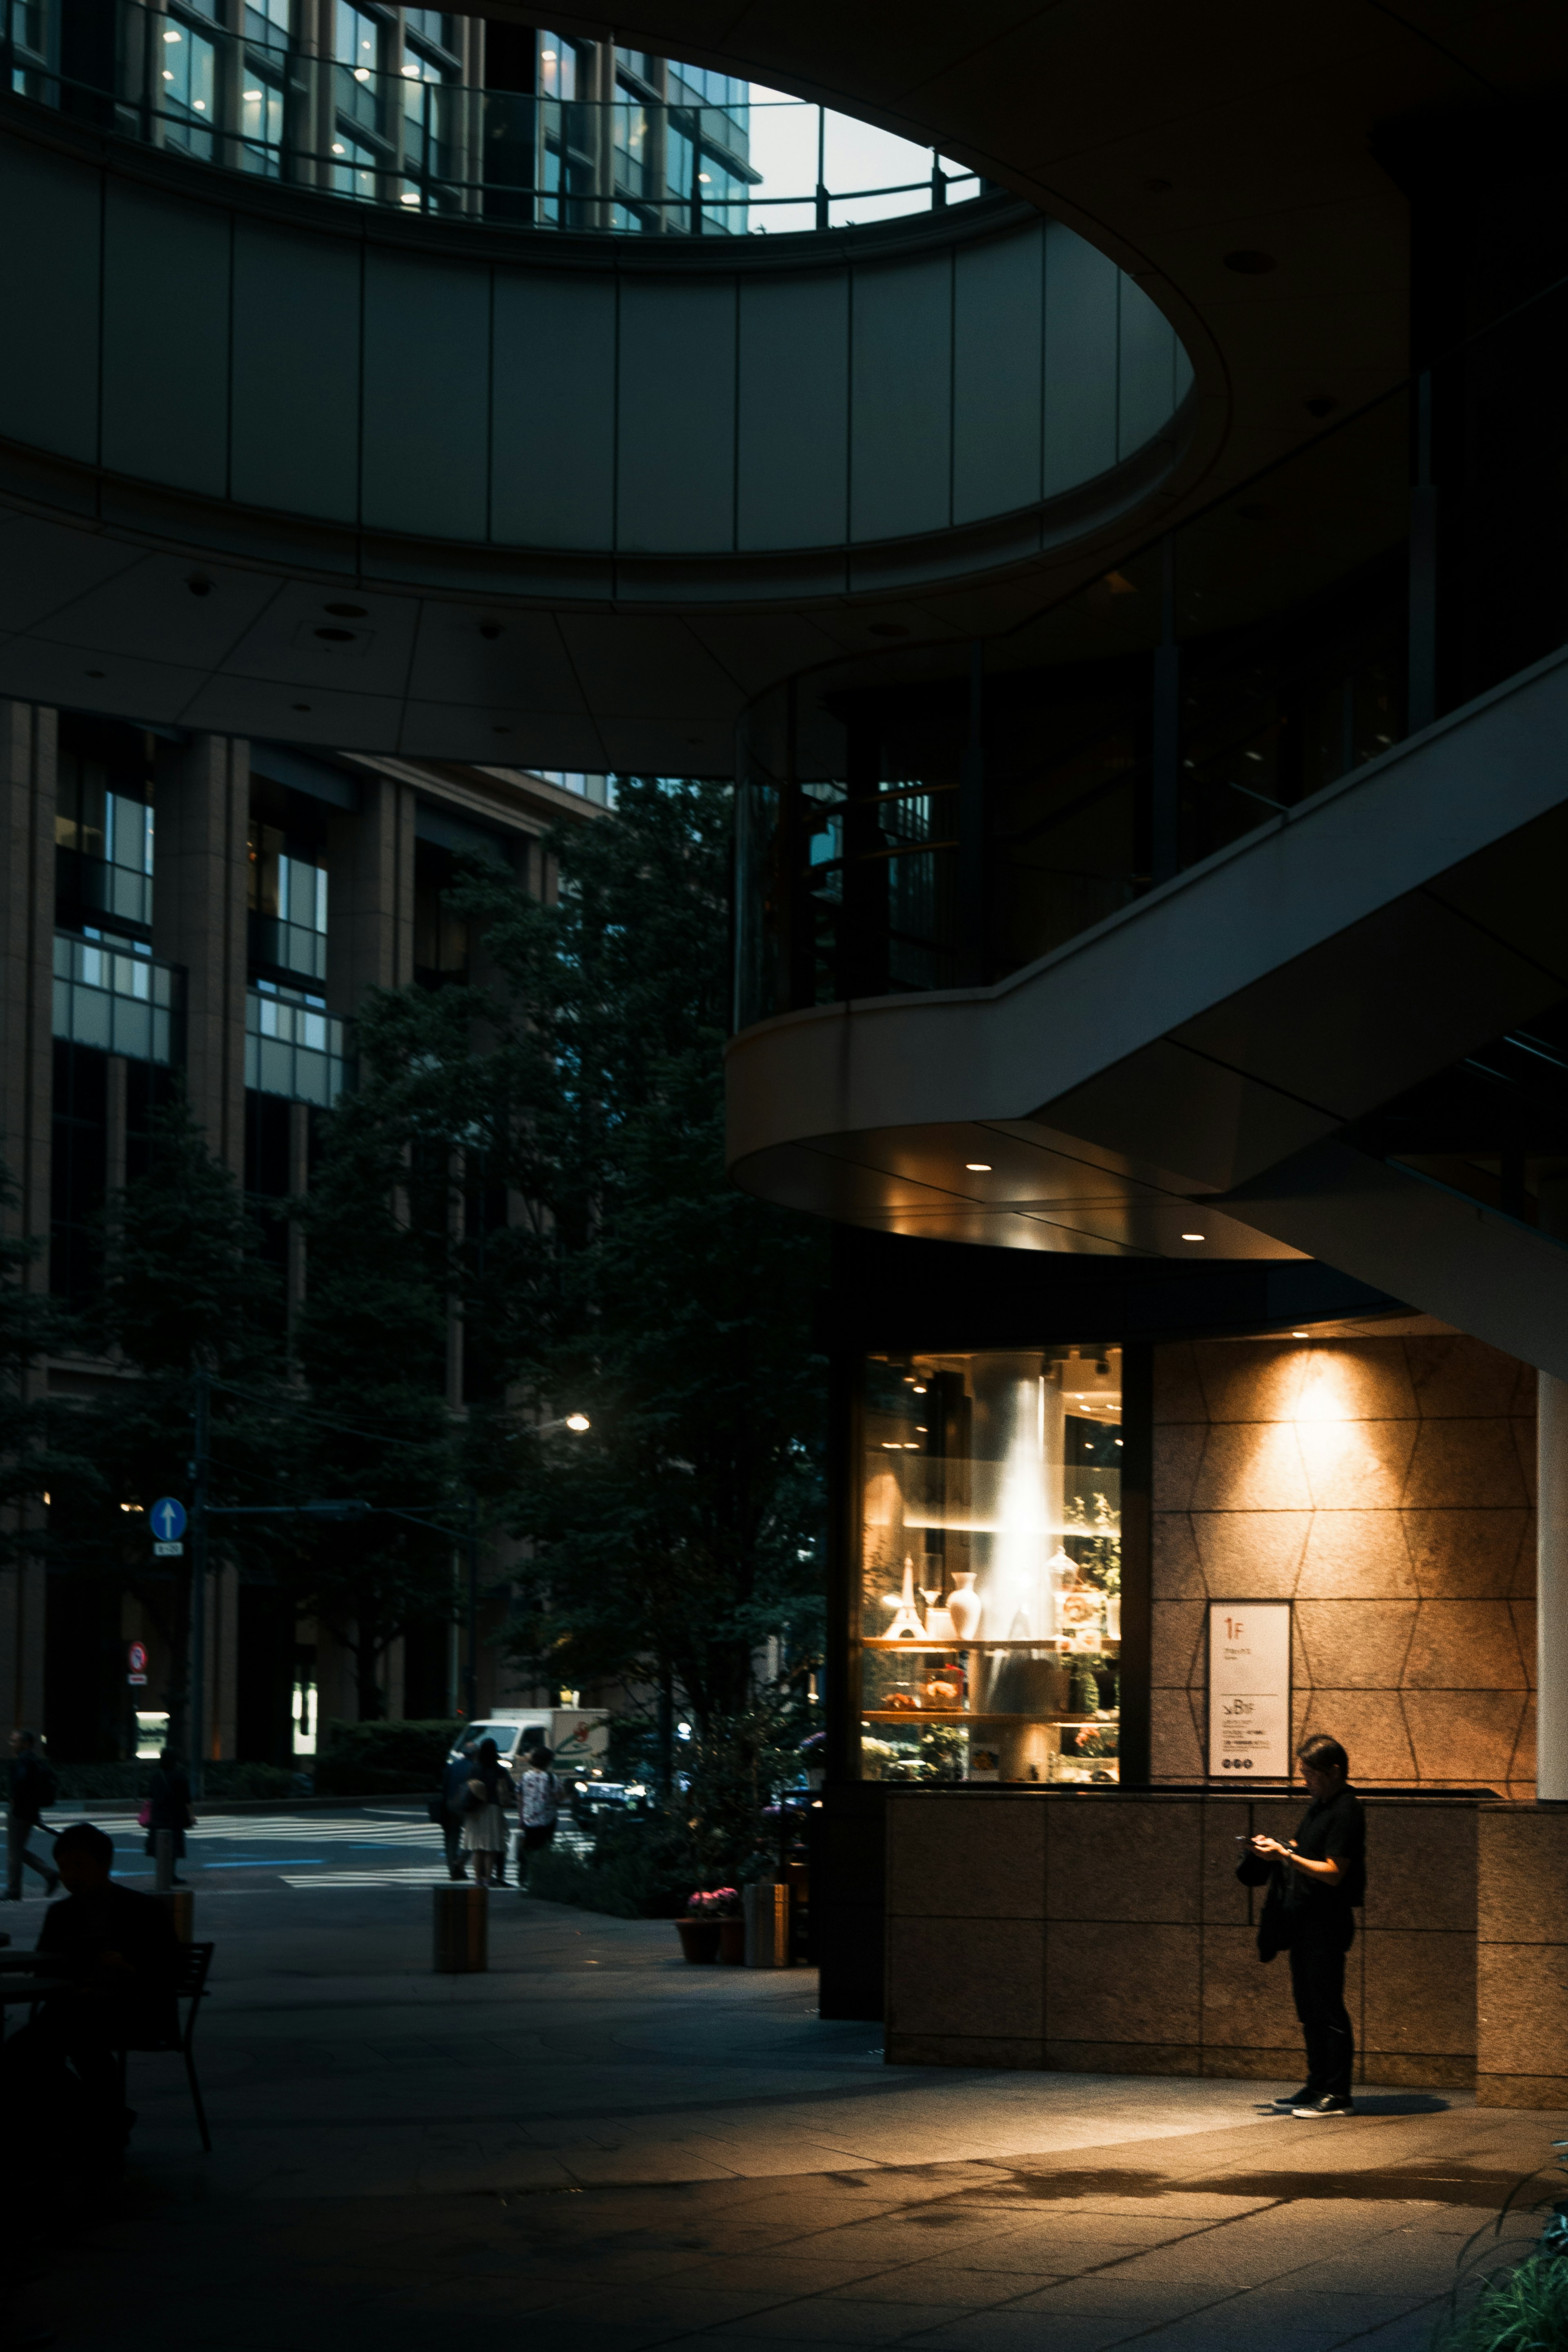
(168, 1518)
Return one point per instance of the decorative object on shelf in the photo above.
(1113, 1616)
(906, 1624)
(939, 1626)
(1081, 1613)
(905, 1700)
(964, 1606)
(945, 1688)
(985, 1763)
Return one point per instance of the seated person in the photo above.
(118, 1954)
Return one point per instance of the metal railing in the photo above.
(414, 139)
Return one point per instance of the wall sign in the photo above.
(1249, 1690)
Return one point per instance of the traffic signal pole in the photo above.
(198, 1680)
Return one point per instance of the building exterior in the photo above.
(1133, 607)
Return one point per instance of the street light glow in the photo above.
(578, 1420)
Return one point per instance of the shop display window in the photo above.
(990, 1590)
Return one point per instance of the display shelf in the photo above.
(985, 1642)
(959, 1715)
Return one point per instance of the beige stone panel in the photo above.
(1250, 1555)
(1356, 1556)
(1251, 1466)
(1300, 1665)
(1523, 1614)
(1521, 2009)
(965, 1976)
(1356, 1466)
(1176, 1573)
(1419, 1992)
(1224, 1898)
(1464, 1645)
(1526, 1565)
(994, 1852)
(1521, 1876)
(1421, 1868)
(1123, 1982)
(1355, 1645)
(1246, 2001)
(1126, 1861)
(1523, 1768)
(1356, 1380)
(1369, 1726)
(1455, 1377)
(1252, 1380)
(962, 2050)
(1178, 1392)
(1526, 1450)
(1175, 1753)
(1176, 1642)
(1177, 1457)
(1465, 1555)
(1465, 1738)
(1468, 1465)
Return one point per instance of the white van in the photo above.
(577, 1737)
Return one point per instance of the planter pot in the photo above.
(732, 1942)
(699, 1938)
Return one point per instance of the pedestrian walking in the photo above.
(538, 1804)
(32, 1787)
(490, 1795)
(1316, 1885)
(168, 1807)
(448, 1807)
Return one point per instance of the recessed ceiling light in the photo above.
(979, 1167)
(1192, 1237)
(1300, 1335)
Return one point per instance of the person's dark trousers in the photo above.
(17, 1851)
(1317, 1981)
(452, 1838)
(530, 1842)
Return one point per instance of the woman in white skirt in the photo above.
(490, 1794)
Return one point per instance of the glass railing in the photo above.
(414, 140)
(936, 819)
(111, 994)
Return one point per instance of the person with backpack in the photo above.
(34, 1788)
(538, 1802)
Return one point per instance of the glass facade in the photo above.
(988, 1628)
(293, 1046)
(287, 897)
(104, 833)
(114, 996)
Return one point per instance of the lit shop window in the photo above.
(989, 1628)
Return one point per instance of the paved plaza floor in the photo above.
(596, 2146)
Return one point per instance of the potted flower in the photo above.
(708, 1930)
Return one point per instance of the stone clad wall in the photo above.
(1104, 1932)
(1386, 1486)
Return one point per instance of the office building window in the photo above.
(190, 87)
(287, 896)
(293, 1046)
(109, 994)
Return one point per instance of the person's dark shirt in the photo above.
(454, 1783)
(168, 1798)
(1333, 1829)
(26, 1790)
(79, 1932)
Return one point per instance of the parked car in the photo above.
(593, 1800)
(577, 1737)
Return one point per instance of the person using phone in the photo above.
(1316, 1883)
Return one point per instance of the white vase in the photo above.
(964, 1605)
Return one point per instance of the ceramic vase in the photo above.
(964, 1606)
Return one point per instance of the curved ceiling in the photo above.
(1220, 156)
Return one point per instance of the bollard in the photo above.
(462, 1929)
(162, 1861)
(767, 1905)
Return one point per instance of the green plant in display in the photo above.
(1098, 1550)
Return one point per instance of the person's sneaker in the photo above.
(1327, 2105)
(1294, 2099)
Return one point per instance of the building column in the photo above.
(370, 932)
(198, 921)
(28, 739)
(1552, 1543)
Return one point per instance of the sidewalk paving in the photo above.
(601, 2142)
